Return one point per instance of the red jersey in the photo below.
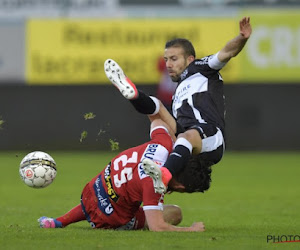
(113, 197)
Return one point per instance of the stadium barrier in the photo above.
(258, 117)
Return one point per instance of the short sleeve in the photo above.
(151, 200)
(214, 63)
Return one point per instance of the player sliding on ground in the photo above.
(198, 103)
(113, 198)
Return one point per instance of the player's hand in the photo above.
(245, 27)
(198, 227)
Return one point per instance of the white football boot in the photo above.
(155, 173)
(117, 77)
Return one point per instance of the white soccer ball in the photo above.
(38, 169)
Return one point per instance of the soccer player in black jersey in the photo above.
(198, 102)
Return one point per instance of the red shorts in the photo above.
(97, 219)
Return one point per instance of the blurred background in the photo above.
(54, 93)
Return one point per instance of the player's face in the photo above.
(176, 62)
(176, 186)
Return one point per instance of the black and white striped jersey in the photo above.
(199, 97)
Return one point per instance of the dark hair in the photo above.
(183, 43)
(196, 175)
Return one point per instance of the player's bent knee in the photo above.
(193, 137)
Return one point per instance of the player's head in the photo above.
(195, 176)
(186, 45)
(179, 53)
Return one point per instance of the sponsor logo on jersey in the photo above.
(141, 171)
(110, 190)
(109, 209)
(150, 152)
(184, 74)
(182, 91)
(103, 200)
(203, 61)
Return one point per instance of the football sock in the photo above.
(179, 156)
(74, 215)
(145, 104)
(166, 175)
(57, 224)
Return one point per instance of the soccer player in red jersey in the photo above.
(113, 198)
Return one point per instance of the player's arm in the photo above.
(156, 222)
(234, 46)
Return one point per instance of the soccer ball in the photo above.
(38, 169)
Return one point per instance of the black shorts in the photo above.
(213, 145)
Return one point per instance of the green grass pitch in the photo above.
(252, 195)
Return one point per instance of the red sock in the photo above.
(74, 215)
(166, 175)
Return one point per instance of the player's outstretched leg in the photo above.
(46, 222)
(117, 77)
(155, 173)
